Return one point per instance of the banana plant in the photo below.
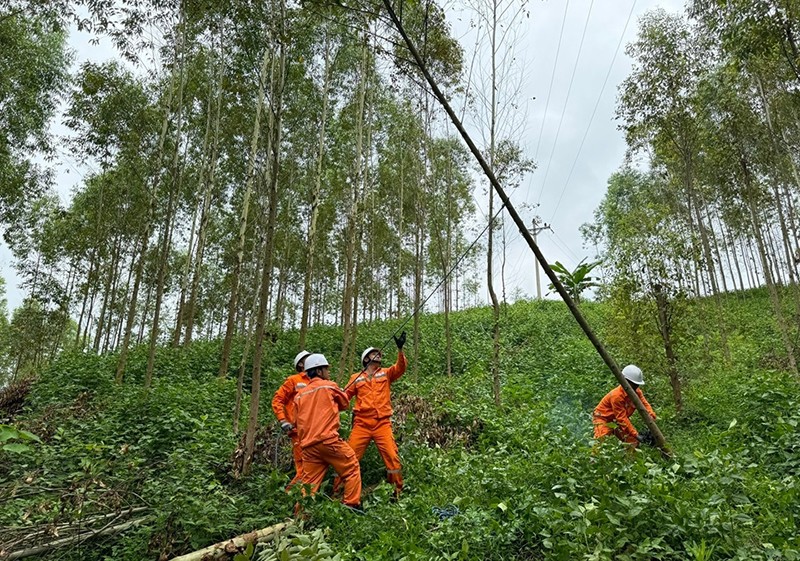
(575, 281)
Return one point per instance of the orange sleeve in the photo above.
(340, 398)
(281, 397)
(647, 406)
(350, 388)
(621, 415)
(398, 368)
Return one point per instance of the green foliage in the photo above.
(32, 74)
(299, 546)
(575, 282)
(524, 478)
(13, 440)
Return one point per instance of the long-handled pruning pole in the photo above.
(649, 421)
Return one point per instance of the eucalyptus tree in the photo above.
(496, 88)
(657, 111)
(750, 29)
(735, 139)
(33, 73)
(111, 123)
(443, 56)
(400, 170)
(646, 255)
(450, 206)
(322, 86)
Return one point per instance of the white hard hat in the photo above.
(315, 361)
(633, 374)
(366, 353)
(300, 356)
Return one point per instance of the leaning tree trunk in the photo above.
(487, 169)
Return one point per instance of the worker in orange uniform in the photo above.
(318, 405)
(372, 414)
(283, 406)
(611, 416)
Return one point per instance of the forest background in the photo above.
(274, 168)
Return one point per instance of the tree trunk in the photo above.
(117, 273)
(495, 366)
(181, 311)
(209, 175)
(348, 342)
(311, 240)
(706, 246)
(101, 321)
(222, 550)
(664, 323)
(276, 100)
(233, 302)
(145, 239)
(773, 292)
(85, 296)
(166, 234)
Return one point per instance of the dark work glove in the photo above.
(640, 438)
(286, 427)
(400, 341)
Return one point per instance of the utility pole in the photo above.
(537, 226)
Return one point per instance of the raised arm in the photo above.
(398, 368)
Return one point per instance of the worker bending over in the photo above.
(611, 416)
(372, 414)
(318, 405)
(283, 406)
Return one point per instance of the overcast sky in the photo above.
(584, 112)
(575, 142)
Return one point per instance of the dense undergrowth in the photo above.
(525, 478)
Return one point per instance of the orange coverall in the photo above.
(283, 406)
(616, 407)
(372, 416)
(318, 406)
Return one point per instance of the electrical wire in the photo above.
(566, 100)
(436, 288)
(594, 111)
(552, 78)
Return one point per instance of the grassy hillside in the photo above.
(523, 477)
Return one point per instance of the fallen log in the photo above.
(81, 526)
(229, 547)
(107, 531)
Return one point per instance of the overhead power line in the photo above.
(594, 111)
(552, 78)
(566, 100)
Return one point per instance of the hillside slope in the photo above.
(523, 478)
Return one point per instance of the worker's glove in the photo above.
(286, 426)
(640, 438)
(400, 341)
